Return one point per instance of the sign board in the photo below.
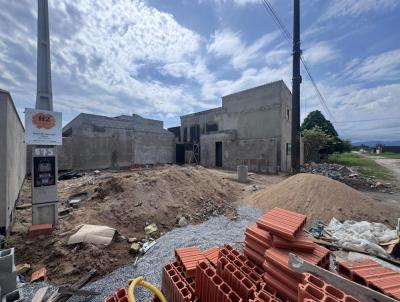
(43, 127)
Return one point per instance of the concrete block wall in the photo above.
(100, 142)
(260, 117)
(12, 159)
(153, 148)
(260, 155)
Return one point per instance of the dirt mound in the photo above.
(322, 198)
(130, 202)
(126, 201)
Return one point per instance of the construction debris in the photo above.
(23, 268)
(347, 176)
(135, 248)
(150, 229)
(147, 246)
(364, 236)
(39, 275)
(96, 234)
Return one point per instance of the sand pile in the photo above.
(322, 198)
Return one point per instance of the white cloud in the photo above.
(226, 43)
(359, 7)
(382, 67)
(235, 2)
(320, 52)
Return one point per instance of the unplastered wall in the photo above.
(12, 159)
(111, 149)
(154, 148)
(259, 154)
(286, 128)
(116, 148)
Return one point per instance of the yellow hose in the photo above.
(140, 281)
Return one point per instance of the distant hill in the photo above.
(374, 143)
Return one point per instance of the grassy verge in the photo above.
(366, 166)
(387, 155)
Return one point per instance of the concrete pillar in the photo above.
(242, 172)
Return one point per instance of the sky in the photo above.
(166, 58)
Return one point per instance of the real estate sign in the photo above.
(43, 127)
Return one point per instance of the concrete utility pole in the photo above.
(295, 150)
(44, 158)
(44, 94)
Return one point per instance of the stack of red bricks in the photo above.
(315, 289)
(220, 275)
(269, 242)
(372, 274)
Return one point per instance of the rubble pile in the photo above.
(348, 176)
(213, 206)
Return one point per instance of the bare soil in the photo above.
(127, 201)
(322, 198)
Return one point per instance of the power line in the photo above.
(288, 37)
(367, 120)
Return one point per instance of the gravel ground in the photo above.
(215, 232)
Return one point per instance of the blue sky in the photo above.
(165, 58)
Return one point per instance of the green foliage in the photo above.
(316, 137)
(316, 141)
(365, 165)
(387, 155)
(317, 119)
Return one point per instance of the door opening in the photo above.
(218, 154)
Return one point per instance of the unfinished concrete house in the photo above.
(253, 127)
(97, 142)
(12, 159)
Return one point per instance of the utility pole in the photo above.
(295, 146)
(44, 94)
(44, 157)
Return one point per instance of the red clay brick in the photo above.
(211, 255)
(262, 236)
(39, 275)
(300, 243)
(40, 229)
(372, 274)
(253, 255)
(255, 246)
(291, 280)
(328, 289)
(280, 257)
(210, 287)
(188, 258)
(283, 290)
(282, 223)
(307, 291)
(366, 275)
(346, 268)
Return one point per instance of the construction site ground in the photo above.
(129, 200)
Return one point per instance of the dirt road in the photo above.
(393, 164)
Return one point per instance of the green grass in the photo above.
(387, 155)
(364, 165)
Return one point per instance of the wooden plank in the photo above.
(57, 296)
(39, 295)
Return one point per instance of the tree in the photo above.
(317, 119)
(316, 141)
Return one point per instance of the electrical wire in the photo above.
(289, 38)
